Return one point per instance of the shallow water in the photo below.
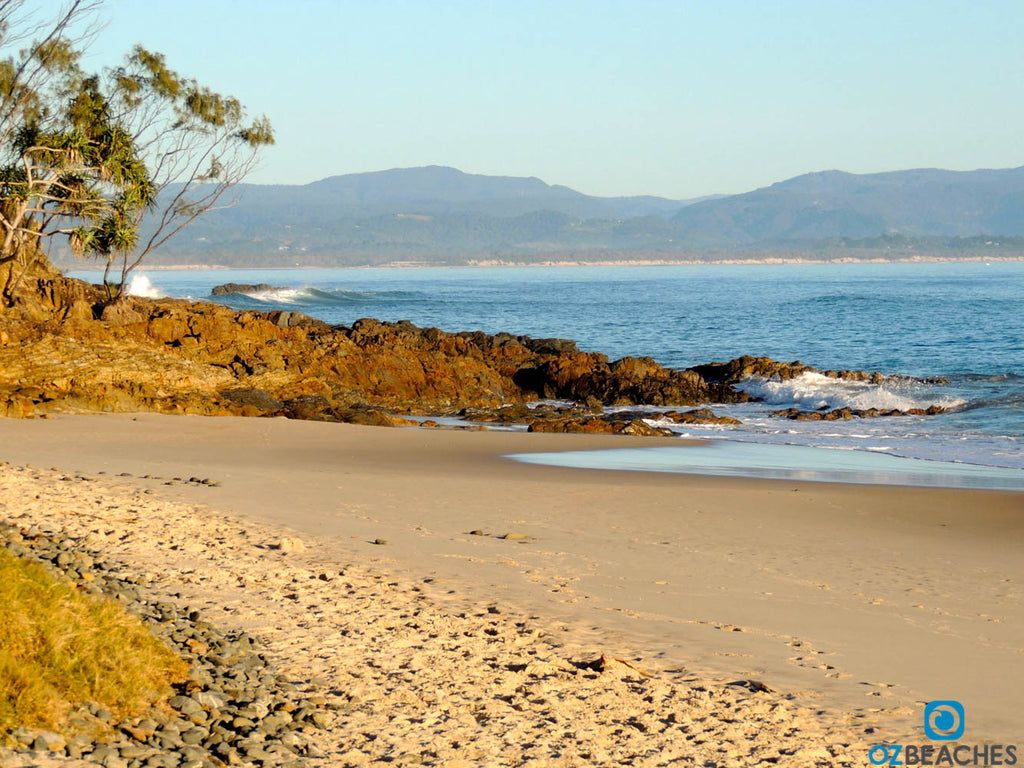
(729, 458)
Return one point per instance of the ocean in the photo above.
(962, 322)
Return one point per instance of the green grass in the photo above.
(60, 648)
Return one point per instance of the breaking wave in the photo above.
(308, 297)
(141, 286)
(814, 391)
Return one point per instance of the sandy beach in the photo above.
(460, 587)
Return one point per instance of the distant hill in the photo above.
(833, 204)
(442, 215)
(440, 190)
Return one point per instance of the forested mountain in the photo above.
(442, 215)
(831, 204)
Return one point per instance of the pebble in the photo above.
(234, 709)
(48, 741)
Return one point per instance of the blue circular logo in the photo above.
(944, 720)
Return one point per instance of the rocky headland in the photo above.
(63, 348)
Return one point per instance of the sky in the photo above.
(675, 98)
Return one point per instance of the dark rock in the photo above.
(643, 429)
(700, 416)
(255, 398)
(837, 414)
(508, 414)
(600, 425)
(549, 346)
(365, 416)
(285, 319)
(736, 370)
(308, 408)
(244, 288)
(695, 416)
(591, 426)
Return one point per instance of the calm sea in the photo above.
(961, 321)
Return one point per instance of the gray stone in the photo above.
(209, 700)
(252, 741)
(102, 752)
(273, 723)
(23, 736)
(170, 741)
(294, 740)
(48, 741)
(194, 736)
(73, 751)
(312, 750)
(131, 752)
(198, 718)
(227, 753)
(319, 719)
(185, 704)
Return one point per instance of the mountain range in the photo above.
(441, 215)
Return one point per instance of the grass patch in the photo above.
(60, 648)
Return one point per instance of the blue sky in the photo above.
(678, 99)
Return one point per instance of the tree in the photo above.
(117, 162)
(33, 81)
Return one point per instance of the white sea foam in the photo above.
(308, 295)
(814, 391)
(141, 286)
(281, 295)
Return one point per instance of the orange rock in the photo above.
(176, 356)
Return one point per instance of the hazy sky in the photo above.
(672, 98)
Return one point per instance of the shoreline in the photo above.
(484, 264)
(722, 456)
(854, 596)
